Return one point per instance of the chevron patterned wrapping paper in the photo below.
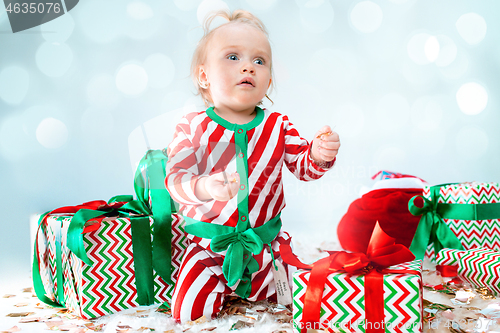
(448, 257)
(343, 303)
(108, 286)
(479, 267)
(472, 234)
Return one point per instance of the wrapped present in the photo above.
(479, 267)
(99, 258)
(458, 216)
(355, 292)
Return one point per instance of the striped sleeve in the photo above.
(182, 167)
(298, 155)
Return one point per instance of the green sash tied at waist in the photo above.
(432, 228)
(239, 264)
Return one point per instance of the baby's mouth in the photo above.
(247, 82)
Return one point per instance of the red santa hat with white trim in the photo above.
(387, 203)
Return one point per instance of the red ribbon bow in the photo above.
(382, 252)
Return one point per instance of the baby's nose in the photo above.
(247, 69)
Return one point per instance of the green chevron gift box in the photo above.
(121, 272)
(102, 257)
(343, 303)
(479, 267)
(459, 216)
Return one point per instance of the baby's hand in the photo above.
(220, 188)
(326, 144)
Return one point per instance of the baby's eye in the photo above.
(259, 61)
(232, 57)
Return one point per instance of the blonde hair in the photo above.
(200, 53)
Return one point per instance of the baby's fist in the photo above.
(326, 144)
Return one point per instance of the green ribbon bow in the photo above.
(432, 228)
(239, 264)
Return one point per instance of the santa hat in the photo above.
(387, 203)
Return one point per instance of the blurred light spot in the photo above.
(416, 48)
(472, 98)
(447, 51)
(58, 30)
(418, 75)
(132, 79)
(160, 70)
(102, 92)
(261, 4)
(52, 133)
(14, 84)
(101, 21)
(457, 68)
(316, 16)
(139, 11)
(14, 141)
(208, 7)
(335, 68)
(472, 28)
(186, 5)
(349, 120)
(54, 59)
(471, 143)
(97, 123)
(393, 112)
(426, 114)
(142, 22)
(431, 49)
(390, 158)
(366, 16)
(428, 142)
(398, 1)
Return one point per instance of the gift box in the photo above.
(102, 257)
(112, 282)
(376, 291)
(479, 267)
(461, 216)
(343, 304)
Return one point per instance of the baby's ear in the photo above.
(202, 77)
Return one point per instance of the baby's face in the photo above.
(237, 67)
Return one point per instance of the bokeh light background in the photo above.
(409, 85)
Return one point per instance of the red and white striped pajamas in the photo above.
(204, 144)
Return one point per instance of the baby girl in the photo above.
(225, 171)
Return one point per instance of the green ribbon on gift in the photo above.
(240, 242)
(152, 167)
(432, 228)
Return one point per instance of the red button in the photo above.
(242, 186)
(243, 218)
(240, 131)
(241, 155)
(245, 256)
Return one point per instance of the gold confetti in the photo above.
(21, 304)
(12, 329)
(27, 290)
(20, 314)
(8, 296)
(54, 323)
